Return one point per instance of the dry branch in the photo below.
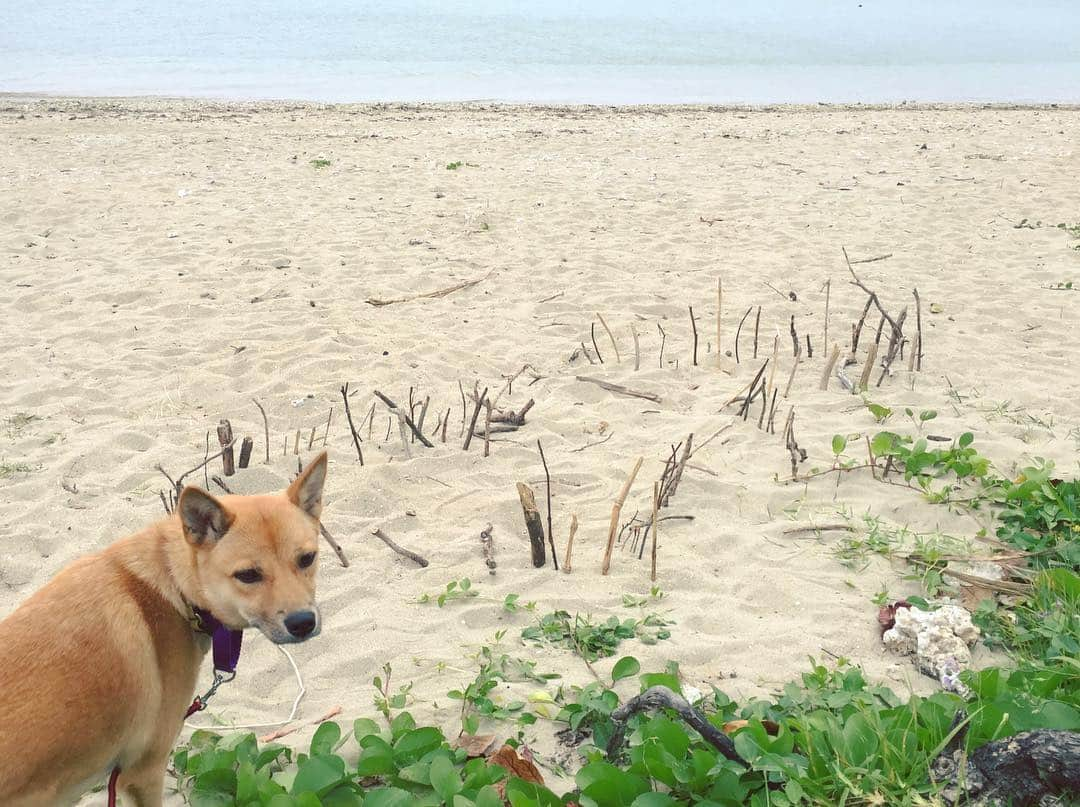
(386, 539)
(570, 542)
(393, 407)
(334, 545)
(431, 294)
(618, 389)
(615, 510)
(533, 524)
(266, 428)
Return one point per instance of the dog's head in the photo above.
(255, 557)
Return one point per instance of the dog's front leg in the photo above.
(145, 786)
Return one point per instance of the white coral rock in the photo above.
(939, 640)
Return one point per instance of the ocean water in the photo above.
(600, 51)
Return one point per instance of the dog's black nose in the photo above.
(301, 623)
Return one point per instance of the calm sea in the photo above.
(595, 51)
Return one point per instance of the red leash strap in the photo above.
(112, 786)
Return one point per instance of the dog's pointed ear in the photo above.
(203, 517)
(307, 489)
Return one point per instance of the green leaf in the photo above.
(653, 800)
(414, 744)
(376, 757)
(444, 778)
(626, 667)
(365, 727)
(388, 797)
(839, 443)
(318, 775)
(966, 439)
(325, 738)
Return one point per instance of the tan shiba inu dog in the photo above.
(98, 668)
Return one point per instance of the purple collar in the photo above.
(226, 642)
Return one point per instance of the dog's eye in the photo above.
(248, 576)
(305, 560)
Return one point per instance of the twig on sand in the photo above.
(334, 545)
(693, 325)
(655, 531)
(618, 389)
(595, 347)
(487, 547)
(428, 295)
(386, 539)
(285, 731)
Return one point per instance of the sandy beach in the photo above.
(164, 263)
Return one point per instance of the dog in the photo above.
(98, 668)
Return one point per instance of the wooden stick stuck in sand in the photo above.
(475, 415)
(828, 290)
(757, 325)
(487, 428)
(570, 543)
(917, 347)
(677, 471)
(533, 524)
(595, 347)
(637, 348)
(868, 367)
(225, 439)
(352, 428)
(326, 434)
(719, 331)
(615, 511)
(693, 326)
(266, 428)
(394, 408)
(487, 548)
(655, 523)
(738, 332)
(834, 356)
(245, 452)
(386, 539)
(550, 530)
(611, 336)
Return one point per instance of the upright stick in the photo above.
(611, 336)
(266, 428)
(533, 524)
(551, 531)
(637, 348)
(833, 356)
(225, 438)
(719, 331)
(655, 524)
(615, 511)
(570, 542)
(475, 415)
(693, 325)
(828, 289)
(757, 325)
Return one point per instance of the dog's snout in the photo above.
(300, 624)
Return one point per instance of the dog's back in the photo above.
(79, 661)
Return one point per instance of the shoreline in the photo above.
(280, 104)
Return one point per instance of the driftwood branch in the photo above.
(352, 428)
(428, 295)
(663, 698)
(550, 531)
(487, 548)
(616, 509)
(325, 533)
(386, 539)
(1020, 770)
(266, 428)
(618, 389)
(393, 407)
(533, 523)
(476, 414)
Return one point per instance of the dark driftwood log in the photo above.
(225, 438)
(619, 389)
(533, 523)
(1018, 771)
(663, 698)
(245, 452)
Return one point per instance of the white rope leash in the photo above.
(250, 726)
